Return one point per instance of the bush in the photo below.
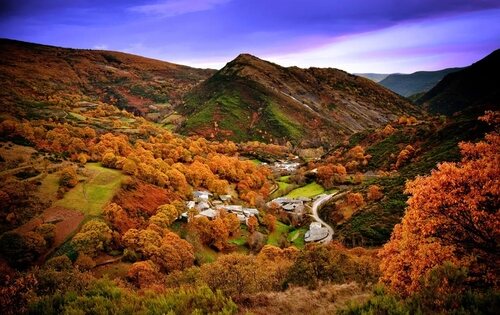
(68, 177)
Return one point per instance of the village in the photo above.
(206, 204)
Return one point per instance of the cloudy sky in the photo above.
(382, 36)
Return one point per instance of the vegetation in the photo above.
(98, 213)
(308, 191)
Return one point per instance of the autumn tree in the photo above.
(388, 130)
(331, 174)
(270, 222)
(355, 200)
(214, 233)
(165, 215)
(374, 193)
(144, 274)
(232, 223)
(252, 224)
(164, 248)
(219, 233)
(118, 218)
(109, 160)
(84, 262)
(404, 155)
(68, 177)
(237, 274)
(358, 154)
(21, 249)
(129, 167)
(452, 216)
(94, 236)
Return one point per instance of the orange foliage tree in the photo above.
(164, 248)
(452, 216)
(331, 174)
(270, 222)
(355, 200)
(374, 193)
(252, 224)
(405, 155)
(68, 177)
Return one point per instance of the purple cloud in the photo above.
(212, 32)
(177, 7)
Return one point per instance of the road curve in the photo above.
(318, 203)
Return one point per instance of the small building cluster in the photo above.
(205, 205)
(290, 204)
(316, 232)
(287, 167)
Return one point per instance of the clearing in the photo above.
(310, 190)
(91, 195)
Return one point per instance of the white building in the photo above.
(209, 213)
(316, 232)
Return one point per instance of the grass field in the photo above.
(91, 195)
(274, 237)
(283, 185)
(309, 190)
(296, 237)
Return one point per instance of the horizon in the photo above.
(379, 37)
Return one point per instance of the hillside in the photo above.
(387, 158)
(31, 74)
(414, 83)
(252, 99)
(470, 87)
(375, 77)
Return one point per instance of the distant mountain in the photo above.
(473, 86)
(375, 77)
(34, 73)
(252, 99)
(415, 83)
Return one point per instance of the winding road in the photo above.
(318, 203)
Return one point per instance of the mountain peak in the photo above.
(247, 59)
(254, 99)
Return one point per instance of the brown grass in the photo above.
(299, 300)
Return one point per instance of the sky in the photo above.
(382, 36)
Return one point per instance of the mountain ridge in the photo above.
(287, 104)
(470, 87)
(139, 84)
(416, 82)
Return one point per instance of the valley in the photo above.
(132, 185)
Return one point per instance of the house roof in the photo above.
(202, 206)
(199, 193)
(209, 213)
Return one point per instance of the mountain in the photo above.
(473, 86)
(31, 73)
(418, 82)
(375, 77)
(252, 99)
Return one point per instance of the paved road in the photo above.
(317, 204)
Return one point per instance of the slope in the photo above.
(473, 86)
(252, 99)
(31, 74)
(432, 141)
(375, 77)
(414, 83)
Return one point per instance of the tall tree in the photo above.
(452, 215)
